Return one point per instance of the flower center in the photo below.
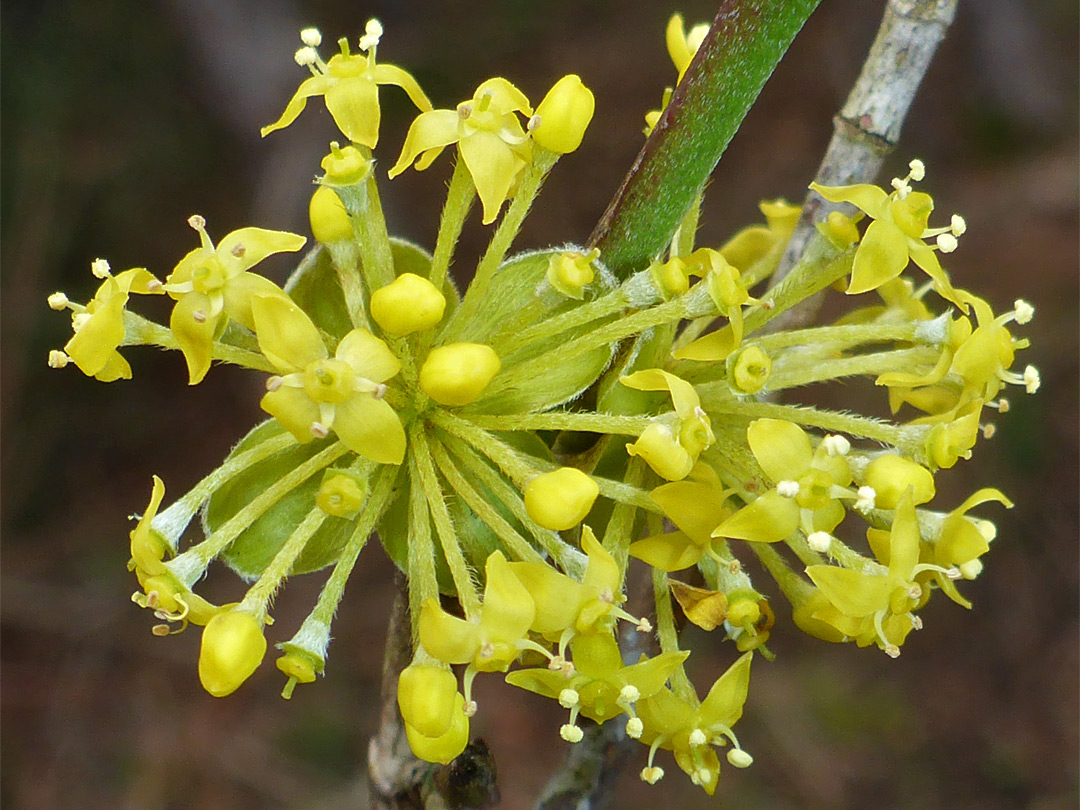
(208, 277)
(329, 380)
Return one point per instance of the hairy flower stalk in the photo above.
(519, 448)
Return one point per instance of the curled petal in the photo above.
(195, 335)
(239, 292)
(430, 131)
(315, 86)
(392, 74)
(244, 248)
(871, 199)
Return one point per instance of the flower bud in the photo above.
(458, 373)
(658, 446)
(329, 219)
(890, 476)
(341, 493)
(233, 646)
(344, 167)
(427, 696)
(406, 305)
(564, 115)
(444, 747)
(561, 499)
(571, 272)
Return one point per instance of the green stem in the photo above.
(444, 524)
(602, 307)
(190, 565)
(800, 372)
(375, 252)
(257, 599)
(564, 420)
(423, 580)
(139, 331)
(517, 545)
(505, 234)
(831, 421)
(669, 636)
(459, 200)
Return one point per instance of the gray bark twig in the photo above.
(867, 128)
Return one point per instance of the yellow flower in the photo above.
(99, 328)
(233, 646)
(317, 393)
(489, 136)
(690, 731)
(491, 641)
(671, 446)
(349, 84)
(211, 285)
(563, 116)
(681, 46)
(897, 233)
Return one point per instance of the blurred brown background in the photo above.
(120, 119)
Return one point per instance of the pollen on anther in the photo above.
(989, 430)
(1032, 381)
(305, 56)
(918, 169)
(634, 728)
(787, 489)
(836, 445)
(892, 651)
(469, 709)
(319, 431)
(652, 774)
(199, 316)
(160, 630)
(58, 301)
(644, 625)
(58, 359)
(946, 242)
(238, 251)
(697, 737)
(957, 225)
(1024, 311)
(100, 268)
(819, 541)
(571, 733)
(380, 391)
(197, 221)
(569, 698)
(312, 37)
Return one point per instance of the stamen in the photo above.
(380, 391)
(957, 225)
(161, 630)
(469, 709)
(916, 622)
(198, 316)
(100, 268)
(57, 359)
(274, 383)
(697, 737)
(373, 31)
(918, 170)
(739, 758)
(239, 251)
(652, 774)
(569, 698)
(197, 222)
(971, 569)
(989, 430)
(946, 242)
(320, 432)
(311, 37)
(628, 695)
(644, 625)
(634, 728)
(58, 301)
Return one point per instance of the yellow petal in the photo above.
(244, 248)
(871, 199)
(493, 166)
(392, 74)
(781, 448)
(294, 409)
(767, 519)
(855, 595)
(431, 130)
(368, 355)
(315, 86)
(370, 428)
(354, 105)
(195, 335)
(286, 334)
(667, 552)
(882, 255)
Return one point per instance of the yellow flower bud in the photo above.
(329, 220)
(233, 646)
(341, 493)
(445, 747)
(751, 370)
(661, 451)
(890, 476)
(300, 667)
(406, 305)
(427, 696)
(458, 373)
(560, 499)
(571, 272)
(564, 115)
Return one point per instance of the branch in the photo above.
(867, 128)
(738, 55)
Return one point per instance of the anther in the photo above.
(380, 391)
(916, 622)
(311, 37)
(988, 430)
(957, 225)
(533, 123)
(1031, 379)
(628, 694)
(739, 758)
(946, 242)
(1024, 311)
(652, 774)
(867, 497)
(697, 737)
(100, 268)
(58, 301)
(373, 31)
(787, 489)
(918, 170)
(197, 222)
(953, 573)
(319, 431)
(915, 591)
(154, 285)
(734, 566)
(644, 625)
(238, 251)
(274, 383)
(836, 445)
(161, 630)
(569, 698)
(892, 651)
(199, 316)
(1003, 405)
(305, 56)
(571, 733)
(634, 728)
(820, 542)
(57, 359)
(469, 709)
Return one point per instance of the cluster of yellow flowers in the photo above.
(454, 427)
